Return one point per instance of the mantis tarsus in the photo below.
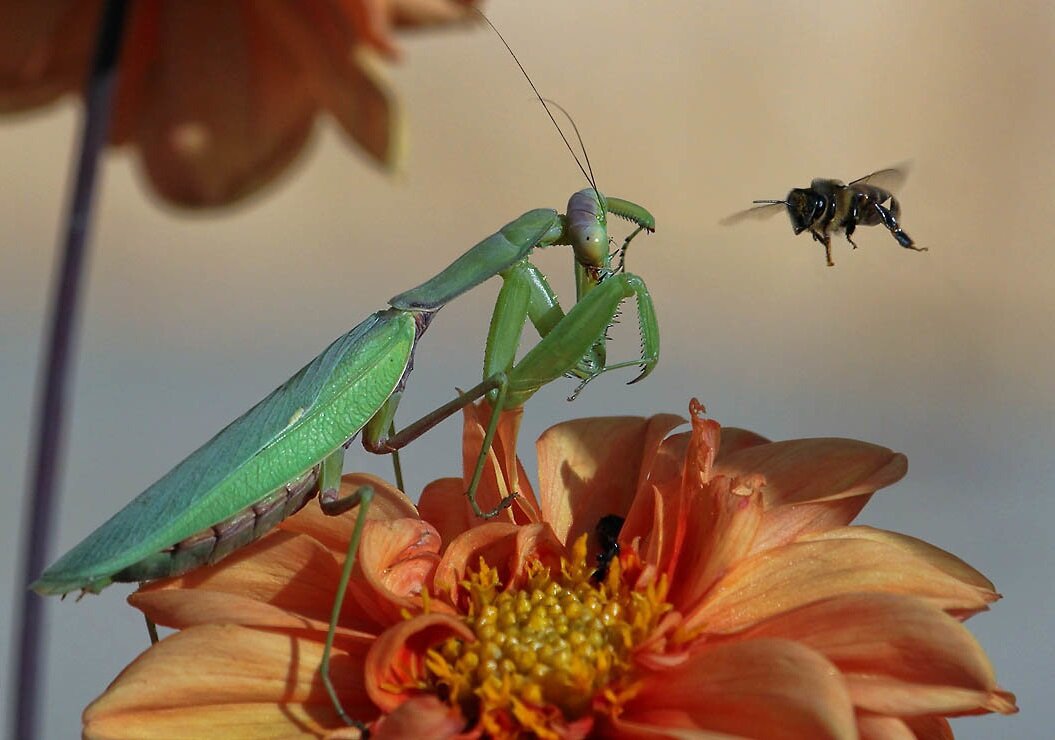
(265, 465)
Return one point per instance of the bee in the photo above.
(830, 206)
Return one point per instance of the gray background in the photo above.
(692, 109)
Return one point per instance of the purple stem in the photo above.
(48, 431)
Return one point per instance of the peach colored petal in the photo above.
(899, 655)
(420, 717)
(811, 470)
(501, 545)
(873, 727)
(443, 505)
(775, 689)
(372, 24)
(290, 571)
(428, 12)
(44, 50)
(786, 524)
(735, 439)
(208, 144)
(654, 531)
(296, 573)
(691, 522)
(396, 661)
(250, 721)
(592, 467)
(930, 728)
(343, 75)
(396, 562)
(503, 473)
(793, 575)
(335, 531)
(182, 609)
(233, 675)
(944, 561)
(723, 519)
(804, 476)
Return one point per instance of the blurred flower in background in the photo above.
(219, 97)
(739, 603)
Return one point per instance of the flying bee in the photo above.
(830, 206)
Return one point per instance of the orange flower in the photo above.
(739, 603)
(218, 98)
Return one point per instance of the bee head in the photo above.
(805, 206)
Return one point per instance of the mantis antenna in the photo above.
(586, 171)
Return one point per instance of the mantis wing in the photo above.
(301, 422)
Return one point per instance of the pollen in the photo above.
(548, 652)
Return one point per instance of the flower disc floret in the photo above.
(544, 649)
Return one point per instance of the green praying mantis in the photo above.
(267, 463)
(288, 448)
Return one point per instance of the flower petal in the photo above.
(873, 727)
(503, 546)
(444, 503)
(760, 688)
(810, 470)
(396, 661)
(182, 609)
(335, 531)
(341, 73)
(723, 520)
(793, 575)
(396, 562)
(735, 439)
(210, 144)
(900, 656)
(805, 476)
(44, 50)
(944, 561)
(589, 468)
(227, 681)
(421, 717)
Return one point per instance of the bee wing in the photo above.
(890, 179)
(757, 212)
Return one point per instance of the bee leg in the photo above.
(851, 226)
(826, 240)
(889, 218)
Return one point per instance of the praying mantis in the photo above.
(288, 448)
(269, 462)
(266, 464)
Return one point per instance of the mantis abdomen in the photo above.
(214, 543)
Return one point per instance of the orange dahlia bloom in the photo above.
(219, 97)
(739, 603)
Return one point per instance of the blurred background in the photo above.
(692, 110)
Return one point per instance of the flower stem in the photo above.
(50, 411)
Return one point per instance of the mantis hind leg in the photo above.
(362, 498)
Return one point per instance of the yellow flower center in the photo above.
(545, 653)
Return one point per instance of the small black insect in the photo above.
(607, 532)
(830, 206)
